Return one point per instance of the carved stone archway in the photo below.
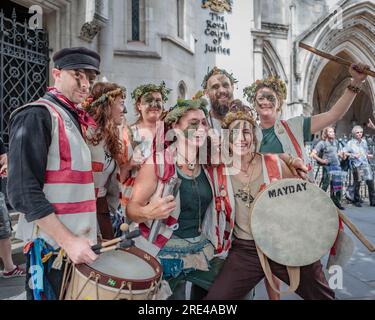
(353, 41)
(331, 84)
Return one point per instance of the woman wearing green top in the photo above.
(277, 136)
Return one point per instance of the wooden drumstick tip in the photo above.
(124, 227)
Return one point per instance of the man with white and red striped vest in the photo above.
(50, 175)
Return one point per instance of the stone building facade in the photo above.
(178, 40)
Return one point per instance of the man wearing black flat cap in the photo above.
(50, 176)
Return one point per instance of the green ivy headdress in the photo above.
(140, 91)
(214, 71)
(183, 106)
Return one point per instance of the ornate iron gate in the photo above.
(23, 67)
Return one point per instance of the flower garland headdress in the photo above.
(272, 82)
(238, 111)
(182, 106)
(91, 103)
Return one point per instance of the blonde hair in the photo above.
(325, 132)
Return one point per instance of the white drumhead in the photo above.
(294, 222)
(123, 265)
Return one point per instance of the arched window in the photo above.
(182, 90)
(272, 64)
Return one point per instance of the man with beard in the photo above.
(218, 85)
(50, 175)
(328, 153)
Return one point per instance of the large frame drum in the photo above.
(294, 222)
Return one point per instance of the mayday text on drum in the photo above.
(294, 222)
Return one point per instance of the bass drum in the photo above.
(125, 274)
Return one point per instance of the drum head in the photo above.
(294, 222)
(131, 266)
(125, 265)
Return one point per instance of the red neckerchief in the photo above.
(84, 118)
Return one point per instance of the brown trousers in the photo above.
(242, 271)
(104, 219)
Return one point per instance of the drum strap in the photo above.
(293, 273)
(294, 141)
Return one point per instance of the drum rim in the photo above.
(143, 284)
(266, 189)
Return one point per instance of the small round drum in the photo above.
(125, 274)
(294, 222)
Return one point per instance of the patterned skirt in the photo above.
(185, 255)
(337, 177)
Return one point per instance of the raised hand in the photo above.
(356, 71)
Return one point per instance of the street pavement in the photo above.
(358, 275)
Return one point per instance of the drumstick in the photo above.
(123, 245)
(107, 249)
(111, 242)
(123, 227)
(334, 58)
(128, 236)
(356, 232)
